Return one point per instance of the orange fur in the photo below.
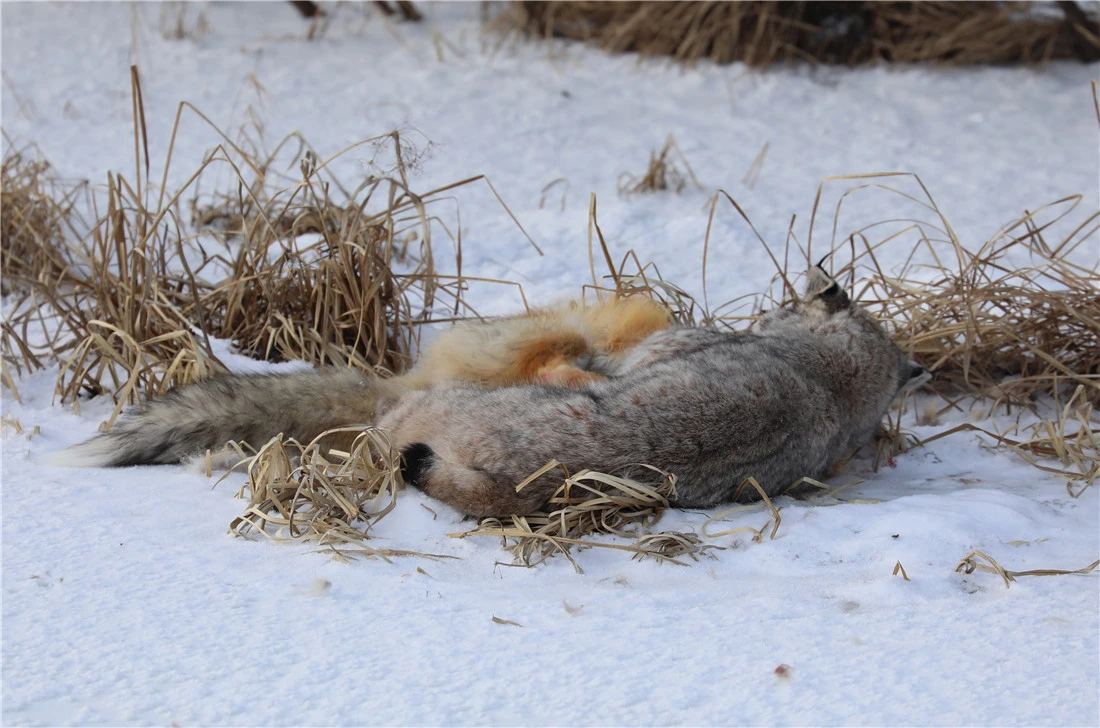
(548, 352)
(550, 345)
(566, 375)
(623, 323)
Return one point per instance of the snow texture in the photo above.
(126, 602)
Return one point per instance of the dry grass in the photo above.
(322, 494)
(35, 208)
(663, 172)
(970, 563)
(286, 267)
(760, 33)
(984, 323)
(631, 277)
(1071, 437)
(590, 503)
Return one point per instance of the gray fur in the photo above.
(785, 400)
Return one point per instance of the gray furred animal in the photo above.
(785, 400)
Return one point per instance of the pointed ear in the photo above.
(821, 287)
(913, 375)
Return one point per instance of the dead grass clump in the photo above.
(984, 323)
(663, 173)
(764, 32)
(1071, 437)
(35, 210)
(321, 493)
(285, 267)
(325, 492)
(103, 298)
(312, 277)
(589, 503)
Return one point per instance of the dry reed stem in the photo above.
(765, 502)
(761, 33)
(632, 278)
(969, 564)
(752, 176)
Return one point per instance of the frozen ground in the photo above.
(125, 602)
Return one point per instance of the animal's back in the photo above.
(727, 409)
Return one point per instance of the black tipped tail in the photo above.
(415, 461)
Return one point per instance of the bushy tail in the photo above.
(253, 408)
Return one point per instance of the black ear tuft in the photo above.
(826, 290)
(415, 461)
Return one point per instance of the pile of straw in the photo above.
(318, 493)
(762, 32)
(985, 324)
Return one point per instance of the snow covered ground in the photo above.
(125, 602)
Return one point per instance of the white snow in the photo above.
(126, 602)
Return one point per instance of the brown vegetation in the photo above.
(762, 32)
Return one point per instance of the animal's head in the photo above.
(851, 346)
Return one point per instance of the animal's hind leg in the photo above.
(470, 489)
